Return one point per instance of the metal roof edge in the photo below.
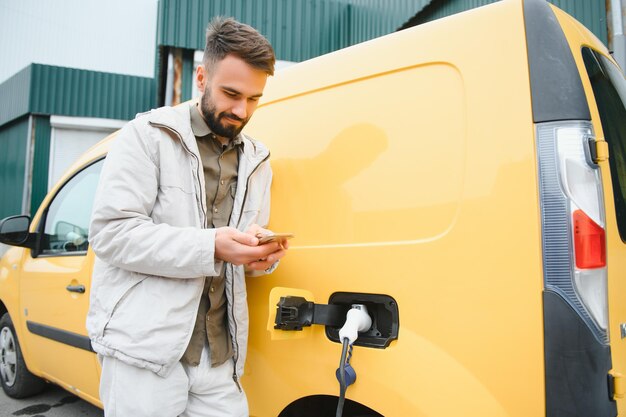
(49, 89)
(409, 23)
(15, 96)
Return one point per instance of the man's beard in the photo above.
(214, 120)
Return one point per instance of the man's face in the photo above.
(230, 95)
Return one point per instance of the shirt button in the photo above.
(212, 289)
(222, 182)
(215, 210)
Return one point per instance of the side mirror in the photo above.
(14, 232)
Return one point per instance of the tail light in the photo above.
(589, 242)
(573, 221)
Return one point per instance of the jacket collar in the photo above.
(178, 118)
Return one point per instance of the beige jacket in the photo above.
(153, 248)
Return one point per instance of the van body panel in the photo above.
(461, 256)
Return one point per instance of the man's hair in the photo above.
(225, 36)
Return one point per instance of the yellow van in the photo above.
(465, 180)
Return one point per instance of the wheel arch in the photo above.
(326, 405)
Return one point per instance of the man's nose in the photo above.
(240, 110)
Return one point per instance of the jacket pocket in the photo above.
(132, 283)
(176, 180)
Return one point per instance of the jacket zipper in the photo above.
(204, 217)
(232, 307)
(186, 148)
(248, 187)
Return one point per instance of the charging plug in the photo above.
(357, 320)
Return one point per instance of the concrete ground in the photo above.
(53, 402)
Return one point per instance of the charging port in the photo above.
(293, 313)
(383, 310)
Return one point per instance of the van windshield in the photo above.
(609, 89)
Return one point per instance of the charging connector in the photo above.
(357, 320)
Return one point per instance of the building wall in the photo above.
(373, 18)
(13, 150)
(298, 29)
(40, 135)
(44, 89)
(591, 13)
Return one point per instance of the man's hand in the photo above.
(264, 263)
(239, 248)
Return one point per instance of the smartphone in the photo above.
(274, 237)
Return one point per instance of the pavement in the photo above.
(53, 402)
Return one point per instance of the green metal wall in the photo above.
(297, 29)
(591, 13)
(41, 161)
(373, 18)
(46, 89)
(14, 96)
(13, 142)
(81, 93)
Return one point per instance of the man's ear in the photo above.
(201, 78)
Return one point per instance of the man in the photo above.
(178, 208)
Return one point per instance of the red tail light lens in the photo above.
(589, 242)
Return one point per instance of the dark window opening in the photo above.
(609, 89)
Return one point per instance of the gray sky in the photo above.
(116, 36)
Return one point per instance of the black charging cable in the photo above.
(357, 320)
(342, 377)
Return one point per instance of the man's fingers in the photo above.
(259, 265)
(245, 238)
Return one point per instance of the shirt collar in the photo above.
(201, 129)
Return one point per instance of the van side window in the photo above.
(67, 219)
(609, 89)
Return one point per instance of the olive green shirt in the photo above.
(220, 163)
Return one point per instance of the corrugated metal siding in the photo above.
(372, 18)
(74, 92)
(13, 140)
(591, 13)
(14, 94)
(45, 89)
(297, 29)
(41, 161)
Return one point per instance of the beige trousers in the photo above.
(188, 391)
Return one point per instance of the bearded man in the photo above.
(182, 198)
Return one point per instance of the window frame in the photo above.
(40, 229)
(619, 201)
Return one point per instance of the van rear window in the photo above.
(609, 89)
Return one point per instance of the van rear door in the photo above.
(605, 89)
(609, 94)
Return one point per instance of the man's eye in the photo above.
(230, 94)
(253, 99)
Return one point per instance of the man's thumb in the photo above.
(245, 239)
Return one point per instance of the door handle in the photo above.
(76, 288)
